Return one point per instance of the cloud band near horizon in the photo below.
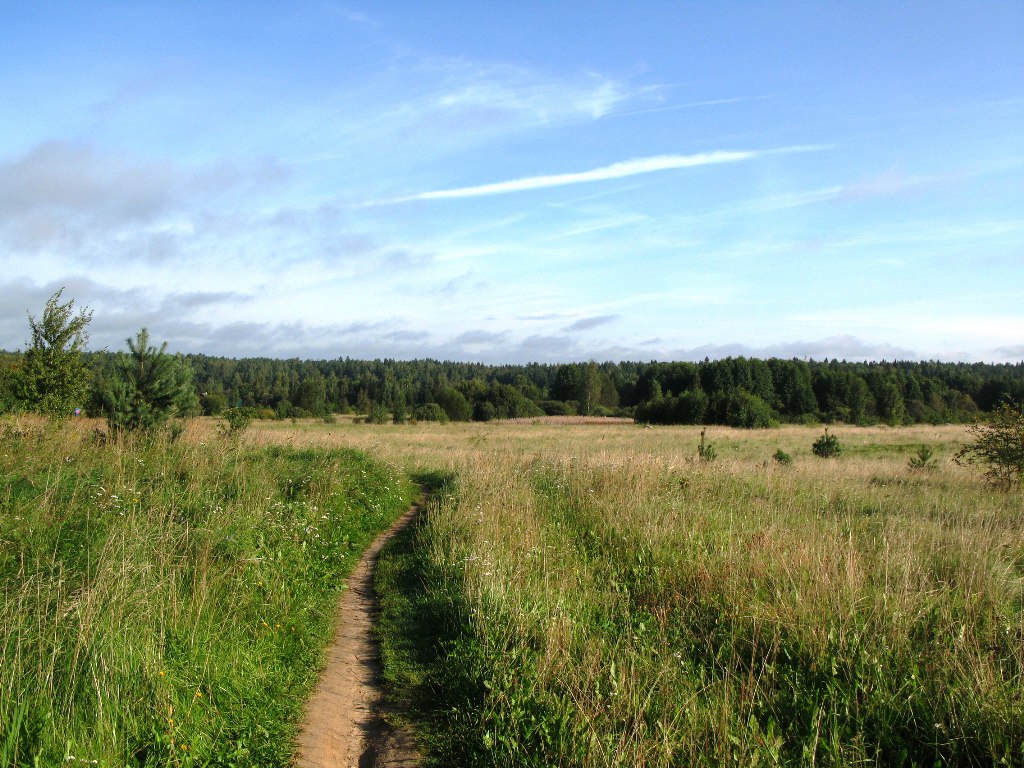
(619, 170)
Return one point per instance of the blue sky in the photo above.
(513, 182)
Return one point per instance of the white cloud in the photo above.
(620, 170)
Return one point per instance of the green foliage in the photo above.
(795, 391)
(741, 408)
(378, 414)
(53, 377)
(454, 404)
(558, 408)
(923, 459)
(999, 445)
(213, 403)
(10, 374)
(146, 387)
(705, 450)
(484, 410)
(690, 407)
(430, 412)
(827, 446)
(783, 458)
(237, 420)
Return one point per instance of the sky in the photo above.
(509, 182)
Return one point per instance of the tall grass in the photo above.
(627, 606)
(167, 603)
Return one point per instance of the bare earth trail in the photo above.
(344, 725)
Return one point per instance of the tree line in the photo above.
(736, 391)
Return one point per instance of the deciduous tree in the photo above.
(999, 444)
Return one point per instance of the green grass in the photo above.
(167, 603)
(626, 610)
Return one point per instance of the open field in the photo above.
(605, 599)
(167, 603)
(577, 594)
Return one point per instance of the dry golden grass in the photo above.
(646, 608)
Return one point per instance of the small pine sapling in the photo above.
(827, 446)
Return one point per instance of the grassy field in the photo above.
(594, 596)
(576, 594)
(167, 603)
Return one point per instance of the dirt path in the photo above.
(344, 726)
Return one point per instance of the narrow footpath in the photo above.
(344, 726)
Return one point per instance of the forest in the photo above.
(738, 391)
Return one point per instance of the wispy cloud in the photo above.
(586, 323)
(691, 105)
(620, 170)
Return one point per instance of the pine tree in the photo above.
(53, 377)
(146, 387)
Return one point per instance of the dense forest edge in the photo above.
(138, 390)
(738, 391)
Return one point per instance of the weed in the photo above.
(705, 450)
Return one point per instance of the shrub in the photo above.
(706, 451)
(558, 407)
(454, 404)
(923, 459)
(378, 414)
(999, 444)
(430, 412)
(743, 409)
(484, 411)
(783, 458)
(237, 420)
(827, 446)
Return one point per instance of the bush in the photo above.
(827, 446)
(999, 444)
(484, 411)
(237, 421)
(378, 414)
(743, 409)
(783, 458)
(558, 407)
(454, 404)
(706, 451)
(923, 459)
(430, 412)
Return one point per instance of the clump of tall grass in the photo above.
(167, 603)
(625, 609)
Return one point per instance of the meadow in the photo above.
(578, 594)
(595, 595)
(166, 602)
